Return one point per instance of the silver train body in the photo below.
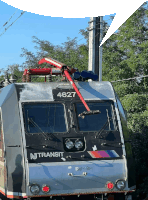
(30, 156)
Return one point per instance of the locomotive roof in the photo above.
(43, 91)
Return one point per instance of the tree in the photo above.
(69, 53)
(133, 40)
(12, 69)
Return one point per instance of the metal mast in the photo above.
(91, 61)
(100, 49)
(95, 52)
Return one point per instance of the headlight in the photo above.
(34, 188)
(120, 184)
(78, 144)
(69, 144)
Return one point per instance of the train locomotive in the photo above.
(63, 140)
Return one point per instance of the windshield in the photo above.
(95, 122)
(48, 118)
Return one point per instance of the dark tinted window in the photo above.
(95, 122)
(48, 118)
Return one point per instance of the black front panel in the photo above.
(54, 133)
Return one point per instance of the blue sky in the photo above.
(19, 35)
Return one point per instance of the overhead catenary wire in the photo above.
(12, 23)
(8, 20)
(110, 81)
(78, 41)
(129, 79)
(23, 13)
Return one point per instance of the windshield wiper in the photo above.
(91, 112)
(102, 129)
(35, 125)
(71, 118)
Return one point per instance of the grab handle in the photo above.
(71, 174)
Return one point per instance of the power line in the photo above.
(9, 19)
(129, 79)
(12, 23)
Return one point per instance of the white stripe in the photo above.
(12, 193)
(16, 193)
(53, 62)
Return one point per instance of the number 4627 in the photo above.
(66, 94)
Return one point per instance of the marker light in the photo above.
(34, 189)
(109, 185)
(120, 184)
(78, 144)
(69, 144)
(45, 188)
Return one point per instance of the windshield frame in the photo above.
(43, 102)
(114, 117)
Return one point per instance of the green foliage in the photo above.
(113, 67)
(125, 52)
(2, 78)
(123, 89)
(144, 185)
(17, 72)
(131, 38)
(70, 53)
(134, 103)
(140, 144)
(136, 121)
(31, 59)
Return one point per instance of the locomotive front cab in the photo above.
(64, 139)
(69, 153)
